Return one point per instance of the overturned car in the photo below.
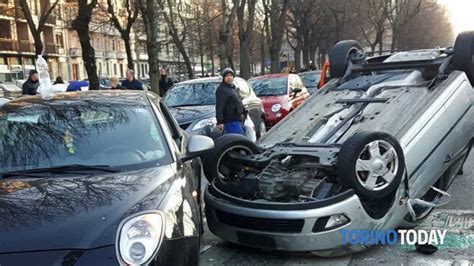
(376, 148)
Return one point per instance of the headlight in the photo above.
(139, 237)
(276, 108)
(205, 122)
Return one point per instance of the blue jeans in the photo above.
(233, 127)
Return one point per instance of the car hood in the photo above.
(187, 114)
(80, 212)
(269, 101)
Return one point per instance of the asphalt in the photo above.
(457, 218)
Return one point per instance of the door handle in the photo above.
(447, 159)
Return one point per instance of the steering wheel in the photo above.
(117, 149)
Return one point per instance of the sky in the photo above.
(461, 13)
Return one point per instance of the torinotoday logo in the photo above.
(391, 237)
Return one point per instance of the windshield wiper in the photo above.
(191, 104)
(73, 168)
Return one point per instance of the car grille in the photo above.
(261, 224)
(185, 125)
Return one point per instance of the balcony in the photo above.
(99, 54)
(75, 52)
(51, 48)
(110, 54)
(8, 45)
(121, 55)
(26, 46)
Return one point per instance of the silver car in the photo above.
(376, 148)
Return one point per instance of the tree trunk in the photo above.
(211, 50)
(128, 49)
(38, 43)
(81, 25)
(298, 58)
(305, 56)
(245, 59)
(262, 53)
(148, 10)
(223, 50)
(275, 57)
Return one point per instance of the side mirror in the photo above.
(198, 145)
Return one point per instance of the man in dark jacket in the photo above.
(30, 87)
(165, 82)
(230, 111)
(130, 83)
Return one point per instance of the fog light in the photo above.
(137, 251)
(336, 221)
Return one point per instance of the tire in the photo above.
(214, 162)
(260, 128)
(339, 57)
(371, 163)
(463, 54)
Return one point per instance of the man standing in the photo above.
(230, 111)
(130, 83)
(30, 87)
(165, 82)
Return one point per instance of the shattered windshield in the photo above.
(192, 94)
(60, 133)
(269, 86)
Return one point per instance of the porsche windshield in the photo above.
(192, 94)
(36, 135)
(269, 86)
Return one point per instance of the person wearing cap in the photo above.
(30, 87)
(230, 111)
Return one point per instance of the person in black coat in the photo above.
(165, 82)
(30, 87)
(230, 112)
(130, 83)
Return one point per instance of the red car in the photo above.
(280, 94)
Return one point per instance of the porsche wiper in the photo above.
(73, 168)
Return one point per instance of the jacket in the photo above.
(165, 84)
(229, 107)
(30, 87)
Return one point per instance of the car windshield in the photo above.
(192, 94)
(41, 135)
(269, 86)
(310, 79)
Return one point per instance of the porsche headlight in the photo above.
(276, 108)
(139, 237)
(205, 122)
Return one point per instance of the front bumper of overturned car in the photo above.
(219, 213)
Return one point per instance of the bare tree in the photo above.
(225, 34)
(131, 9)
(46, 10)
(245, 33)
(373, 25)
(400, 12)
(173, 14)
(275, 21)
(149, 11)
(81, 25)
(431, 13)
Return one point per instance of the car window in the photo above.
(80, 132)
(243, 87)
(310, 79)
(269, 86)
(191, 94)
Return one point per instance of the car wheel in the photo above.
(261, 129)
(371, 163)
(217, 165)
(463, 54)
(340, 56)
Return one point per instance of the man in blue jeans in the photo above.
(230, 111)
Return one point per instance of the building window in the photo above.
(115, 69)
(121, 70)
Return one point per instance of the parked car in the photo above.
(193, 104)
(98, 178)
(280, 94)
(310, 80)
(10, 90)
(375, 149)
(104, 83)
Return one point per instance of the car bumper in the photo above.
(223, 220)
(167, 255)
